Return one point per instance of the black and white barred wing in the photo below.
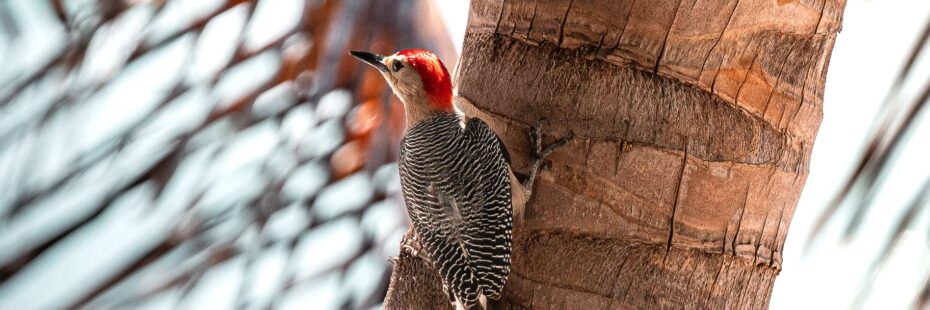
(493, 229)
(458, 193)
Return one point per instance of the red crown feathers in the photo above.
(435, 77)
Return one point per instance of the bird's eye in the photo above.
(398, 65)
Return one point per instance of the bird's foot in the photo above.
(411, 244)
(540, 153)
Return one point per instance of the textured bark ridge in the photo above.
(694, 123)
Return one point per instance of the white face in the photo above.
(404, 80)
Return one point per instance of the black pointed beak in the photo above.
(371, 58)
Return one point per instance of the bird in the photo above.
(456, 178)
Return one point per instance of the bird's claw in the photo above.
(546, 165)
(413, 247)
(536, 137)
(540, 153)
(557, 144)
(536, 140)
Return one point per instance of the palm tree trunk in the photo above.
(694, 122)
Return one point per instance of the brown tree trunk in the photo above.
(694, 123)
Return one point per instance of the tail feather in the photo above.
(482, 302)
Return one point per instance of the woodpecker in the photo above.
(459, 189)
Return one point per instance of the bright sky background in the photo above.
(869, 51)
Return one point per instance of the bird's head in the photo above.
(417, 77)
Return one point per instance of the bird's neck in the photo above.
(420, 111)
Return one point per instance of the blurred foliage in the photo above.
(893, 128)
(203, 154)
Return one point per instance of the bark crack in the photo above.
(781, 69)
(752, 64)
(626, 22)
(500, 16)
(655, 69)
(775, 246)
(532, 19)
(820, 19)
(713, 285)
(671, 223)
(739, 222)
(564, 21)
(803, 93)
(719, 38)
(758, 244)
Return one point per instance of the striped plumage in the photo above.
(457, 188)
(457, 182)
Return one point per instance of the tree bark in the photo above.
(694, 122)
